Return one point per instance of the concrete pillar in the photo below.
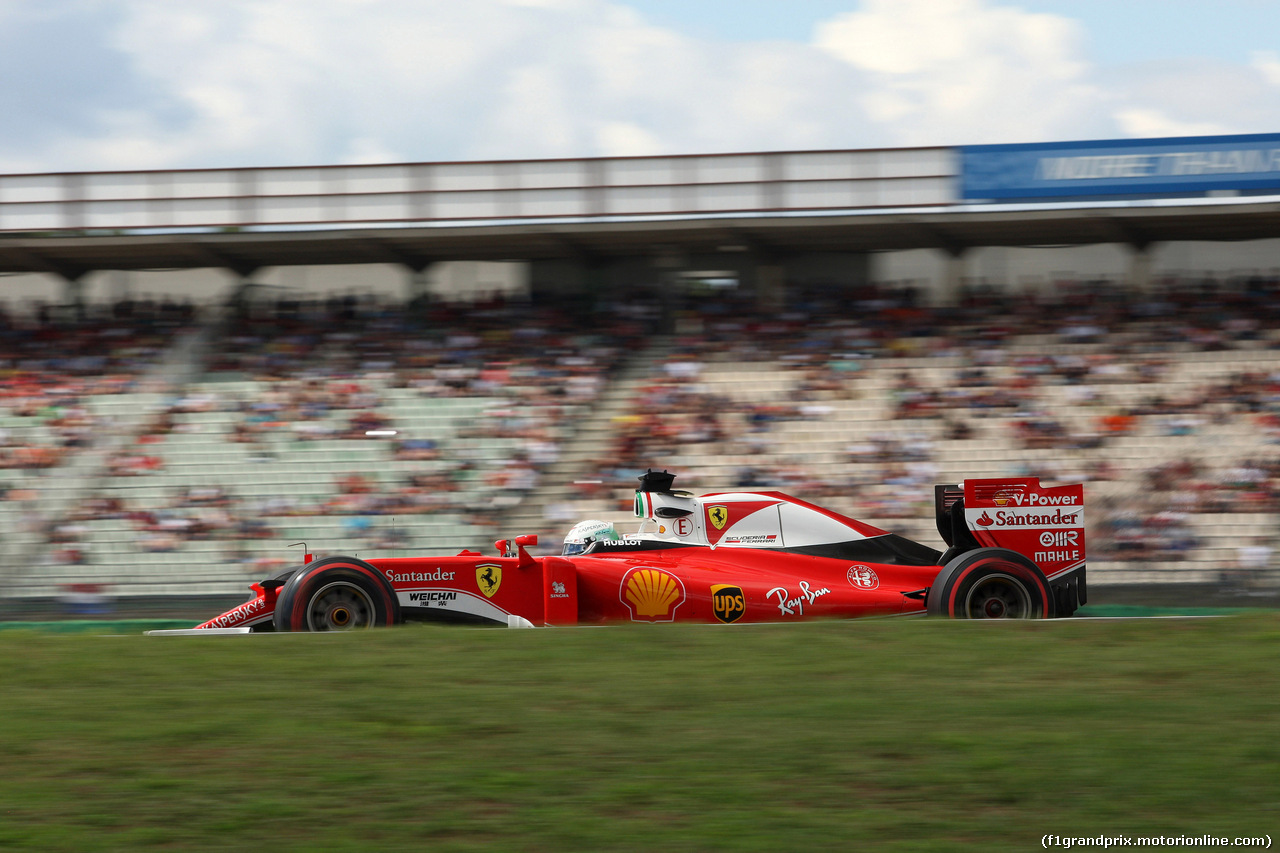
(417, 290)
(668, 263)
(556, 279)
(240, 305)
(1140, 268)
(73, 295)
(952, 283)
(771, 287)
(121, 285)
(417, 284)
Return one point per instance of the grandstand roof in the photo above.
(953, 228)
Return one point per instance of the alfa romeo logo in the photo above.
(863, 577)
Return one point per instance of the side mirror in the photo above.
(525, 561)
(503, 546)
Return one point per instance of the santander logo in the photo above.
(985, 520)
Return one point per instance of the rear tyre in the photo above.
(991, 583)
(336, 594)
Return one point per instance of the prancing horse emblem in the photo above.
(719, 515)
(488, 578)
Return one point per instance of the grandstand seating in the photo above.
(280, 477)
(814, 448)
(282, 480)
(837, 440)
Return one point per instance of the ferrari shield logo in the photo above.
(488, 578)
(719, 516)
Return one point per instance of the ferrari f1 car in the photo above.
(1016, 550)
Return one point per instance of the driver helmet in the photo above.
(585, 533)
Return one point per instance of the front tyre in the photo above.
(336, 594)
(991, 583)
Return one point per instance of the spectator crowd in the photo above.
(322, 370)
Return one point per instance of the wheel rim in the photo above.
(998, 596)
(340, 606)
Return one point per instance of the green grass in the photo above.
(886, 734)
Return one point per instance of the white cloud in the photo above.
(1151, 122)
(627, 139)
(274, 82)
(1268, 65)
(1194, 97)
(951, 71)
(367, 150)
(607, 83)
(928, 36)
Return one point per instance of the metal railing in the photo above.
(478, 192)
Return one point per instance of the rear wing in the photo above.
(1043, 523)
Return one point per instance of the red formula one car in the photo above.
(1016, 551)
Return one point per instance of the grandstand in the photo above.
(234, 444)
(219, 458)
(839, 427)
(159, 452)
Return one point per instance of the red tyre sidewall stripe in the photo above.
(955, 586)
(296, 617)
(1012, 568)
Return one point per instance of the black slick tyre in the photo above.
(991, 583)
(336, 594)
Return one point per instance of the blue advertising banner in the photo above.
(1122, 168)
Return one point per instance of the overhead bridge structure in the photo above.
(768, 206)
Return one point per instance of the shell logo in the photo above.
(651, 595)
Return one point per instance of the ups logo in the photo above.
(727, 602)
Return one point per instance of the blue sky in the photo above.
(1131, 31)
(123, 84)
(1119, 31)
